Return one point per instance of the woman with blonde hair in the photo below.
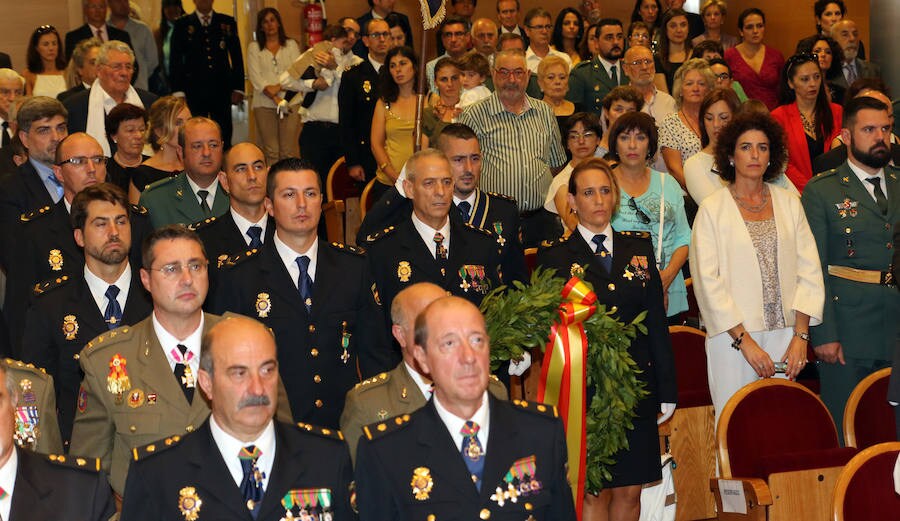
(553, 79)
(713, 13)
(679, 134)
(167, 116)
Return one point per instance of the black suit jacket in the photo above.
(651, 351)
(311, 358)
(5, 61)
(77, 105)
(357, 97)
(66, 94)
(47, 490)
(20, 192)
(359, 47)
(84, 32)
(386, 463)
(304, 459)
(838, 156)
(46, 344)
(221, 236)
(206, 61)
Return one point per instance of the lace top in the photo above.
(764, 235)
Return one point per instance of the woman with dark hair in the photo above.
(755, 268)
(830, 56)
(649, 12)
(655, 203)
(755, 65)
(442, 108)
(808, 118)
(588, 47)
(828, 13)
(166, 117)
(126, 127)
(277, 125)
(394, 119)
(620, 267)
(674, 48)
(45, 63)
(568, 32)
(619, 101)
(580, 136)
(638, 34)
(700, 173)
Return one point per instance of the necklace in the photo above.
(689, 123)
(808, 126)
(118, 158)
(751, 208)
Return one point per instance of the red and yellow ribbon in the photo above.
(564, 376)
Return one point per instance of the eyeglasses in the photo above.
(80, 161)
(640, 36)
(378, 36)
(724, 76)
(453, 34)
(516, 73)
(587, 134)
(541, 27)
(170, 271)
(645, 219)
(640, 63)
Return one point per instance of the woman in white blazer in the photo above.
(755, 267)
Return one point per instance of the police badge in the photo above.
(263, 305)
(421, 483)
(189, 503)
(55, 259)
(404, 271)
(70, 327)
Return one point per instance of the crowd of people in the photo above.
(146, 255)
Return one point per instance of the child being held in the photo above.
(475, 69)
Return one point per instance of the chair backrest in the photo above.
(868, 417)
(768, 418)
(530, 259)
(365, 200)
(689, 348)
(865, 488)
(339, 184)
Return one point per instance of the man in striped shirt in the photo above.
(520, 141)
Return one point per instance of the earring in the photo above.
(731, 162)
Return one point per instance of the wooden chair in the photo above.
(865, 488)
(777, 444)
(339, 184)
(691, 429)
(333, 212)
(868, 417)
(341, 218)
(365, 200)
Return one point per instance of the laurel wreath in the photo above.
(519, 319)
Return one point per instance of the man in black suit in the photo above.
(102, 293)
(465, 454)
(43, 488)
(246, 224)
(87, 110)
(206, 64)
(96, 27)
(12, 85)
(380, 9)
(84, 59)
(357, 97)
(241, 462)
(316, 297)
(508, 19)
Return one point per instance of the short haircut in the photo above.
(333, 32)
(712, 97)
(206, 343)
(551, 60)
(11, 75)
(603, 22)
(162, 118)
(516, 53)
(537, 12)
(194, 121)
(694, 64)
(518, 5)
(595, 163)
(78, 56)
(707, 46)
(167, 233)
(456, 131)
(100, 192)
(853, 106)
(640, 121)
(372, 21)
(723, 7)
(121, 113)
(288, 164)
(624, 93)
(454, 20)
(505, 37)
(588, 120)
(638, 24)
(745, 122)
(113, 45)
(750, 11)
(412, 164)
(864, 84)
(37, 108)
(10, 385)
(476, 62)
(719, 61)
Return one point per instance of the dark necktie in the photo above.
(304, 281)
(602, 253)
(100, 34)
(113, 313)
(255, 234)
(5, 138)
(464, 209)
(472, 453)
(440, 252)
(850, 71)
(204, 205)
(251, 483)
(614, 75)
(880, 198)
(183, 373)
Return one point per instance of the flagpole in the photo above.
(420, 97)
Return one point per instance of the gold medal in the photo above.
(188, 378)
(404, 271)
(263, 305)
(189, 503)
(473, 450)
(367, 86)
(56, 260)
(421, 483)
(576, 270)
(135, 398)
(70, 327)
(117, 381)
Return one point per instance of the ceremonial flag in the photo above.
(433, 12)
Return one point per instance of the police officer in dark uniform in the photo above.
(315, 296)
(465, 454)
(428, 246)
(357, 96)
(72, 309)
(207, 65)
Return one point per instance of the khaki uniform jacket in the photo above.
(35, 389)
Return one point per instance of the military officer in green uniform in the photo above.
(36, 425)
(851, 211)
(590, 81)
(195, 194)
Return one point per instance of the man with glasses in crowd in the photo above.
(592, 80)
(455, 39)
(640, 70)
(380, 9)
(539, 26)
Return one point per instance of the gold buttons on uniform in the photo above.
(132, 428)
(317, 379)
(319, 404)
(484, 514)
(430, 517)
(528, 506)
(312, 328)
(314, 352)
(611, 287)
(189, 428)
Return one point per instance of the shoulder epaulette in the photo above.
(92, 464)
(137, 209)
(324, 432)
(548, 243)
(537, 408)
(826, 173)
(581, 64)
(479, 230)
(34, 214)
(372, 237)
(230, 261)
(372, 382)
(139, 453)
(160, 182)
(347, 248)
(111, 337)
(43, 287)
(502, 196)
(636, 234)
(202, 224)
(378, 429)
(18, 364)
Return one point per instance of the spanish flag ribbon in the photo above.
(564, 376)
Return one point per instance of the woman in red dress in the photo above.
(755, 65)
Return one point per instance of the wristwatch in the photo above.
(801, 335)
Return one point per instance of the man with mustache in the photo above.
(592, 80)
(140, 381)
(851, 211)
(228, 468)
(102, 293)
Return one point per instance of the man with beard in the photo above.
(103, 294)
(592, 80)
(847, 36)
(851, 211)
(592, 11)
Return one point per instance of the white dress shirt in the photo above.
(230, 449)
(243, 225)
(588, 237)
(98, 288)
(212, 189)
(532, 60)
(863, 175)
(454, 423)
(289, 258)
(325, 106)
(422, 383)
(169, 344)
(427, 234)
(264, 68)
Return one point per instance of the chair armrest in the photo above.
(756, 493)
